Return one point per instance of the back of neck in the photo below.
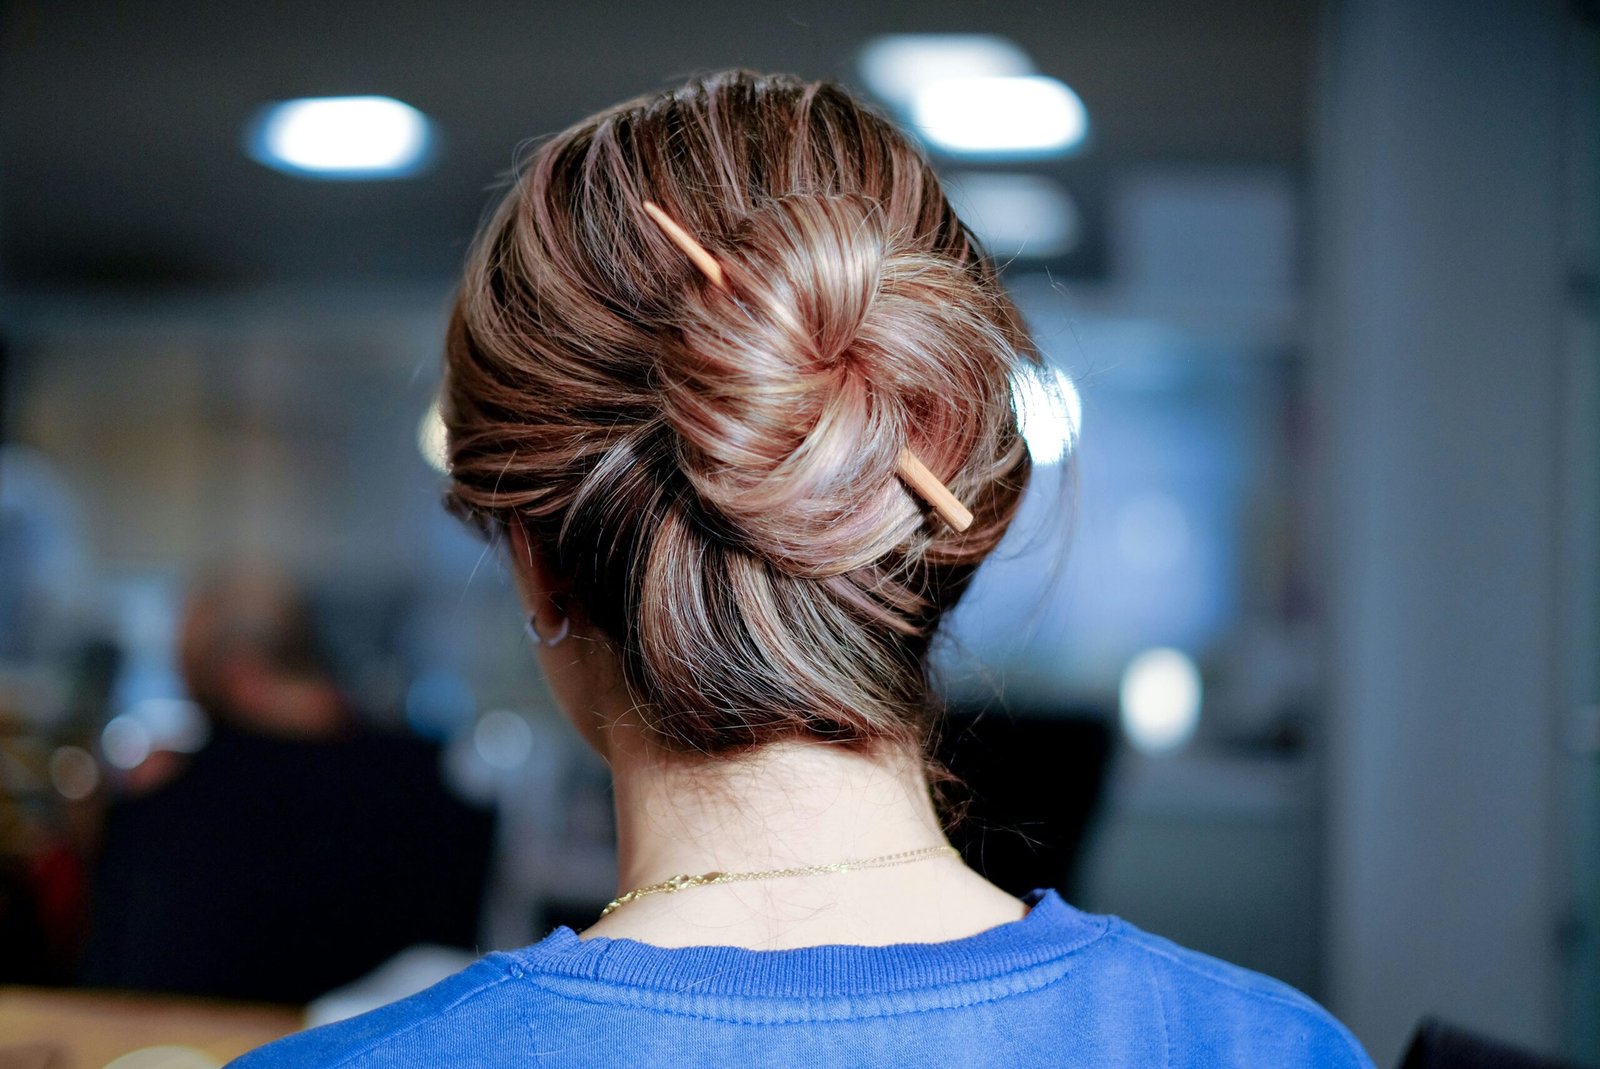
(786, 805)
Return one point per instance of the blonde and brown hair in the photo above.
(714, 473)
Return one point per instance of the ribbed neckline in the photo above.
(1050, 930)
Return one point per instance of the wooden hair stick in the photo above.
(916, 474)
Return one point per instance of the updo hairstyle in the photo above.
(714, 474)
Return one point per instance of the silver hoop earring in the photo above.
(554, 640)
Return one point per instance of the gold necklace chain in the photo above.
(683, 881)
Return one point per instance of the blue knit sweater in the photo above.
(1057, 988)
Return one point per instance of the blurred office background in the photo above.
(1302, 664)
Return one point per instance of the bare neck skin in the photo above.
(784, 805)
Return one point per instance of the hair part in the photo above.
(716, 476)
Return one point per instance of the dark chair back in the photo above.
(1437, 1045)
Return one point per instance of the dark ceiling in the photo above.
(121, 123)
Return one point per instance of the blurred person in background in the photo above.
(688, 354)
(295, 851)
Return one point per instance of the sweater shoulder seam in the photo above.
(513, 972)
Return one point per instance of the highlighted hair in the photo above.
(717, 478)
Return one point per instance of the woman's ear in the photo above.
(541, 591)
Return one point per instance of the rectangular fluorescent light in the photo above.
(341, 137)
(1000, 117)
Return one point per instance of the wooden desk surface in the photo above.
(46, 1028)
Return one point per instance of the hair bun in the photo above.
(842, 344)
(713, 472)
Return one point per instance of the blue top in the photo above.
(1058, 988)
